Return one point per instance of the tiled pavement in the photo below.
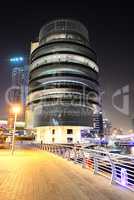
(38, 175)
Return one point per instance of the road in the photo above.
(37, 175)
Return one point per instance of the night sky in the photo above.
(111, 31)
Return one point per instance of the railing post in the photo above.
(55, 149)
(60, 149)
(84, 159)
(63, 152)
(113, 176)
(95, 164)
(68, 154)
(75, 155)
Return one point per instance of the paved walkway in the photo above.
(37, 175)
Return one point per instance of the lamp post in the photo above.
(16, 111)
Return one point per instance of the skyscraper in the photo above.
(98, 123)
(63, 84)
(19, 87)
(18, 83)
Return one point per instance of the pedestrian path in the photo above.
(38, 175)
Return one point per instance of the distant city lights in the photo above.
(16, 59)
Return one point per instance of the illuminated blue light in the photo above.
(131, 143)
(21, 58)
(16, 59)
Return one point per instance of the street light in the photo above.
(16, 110)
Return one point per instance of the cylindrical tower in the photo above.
(63, 84)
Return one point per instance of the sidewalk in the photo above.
(38, 175)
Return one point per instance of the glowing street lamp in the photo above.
(15, 110)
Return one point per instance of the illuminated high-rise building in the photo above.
(63, 83)
(18, 83)
(19, 87)
(98, 123)
(19, 80)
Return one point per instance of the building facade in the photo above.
(107, 125)
(63, 83)
(19, 88)
(98, 123)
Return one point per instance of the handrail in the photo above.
(118, 168)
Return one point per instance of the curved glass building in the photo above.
(63, 82)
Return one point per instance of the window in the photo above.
(69, 140)
(69, 131)
(53, 131)
(53, 139)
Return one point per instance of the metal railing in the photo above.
(117, 168)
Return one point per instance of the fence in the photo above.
(117, 168)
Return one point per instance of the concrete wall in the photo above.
(59, 133)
